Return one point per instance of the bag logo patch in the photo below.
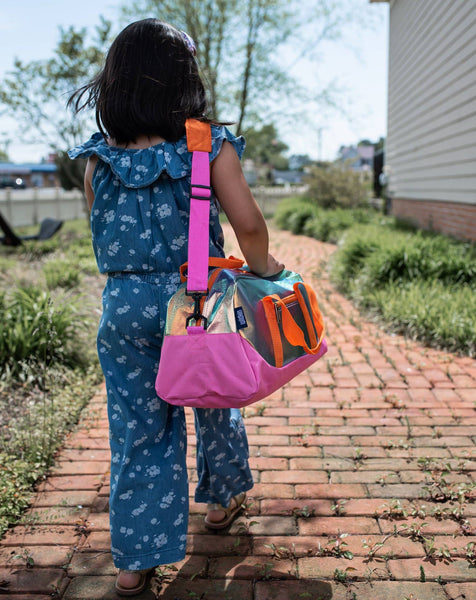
(240, 318)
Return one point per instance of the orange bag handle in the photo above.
(223, 263)
(313, 319)
(292, 331)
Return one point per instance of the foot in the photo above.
(131, 583)
(128, 579)
(219, 517)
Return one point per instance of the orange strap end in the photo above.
(199, 136)
(222, 263)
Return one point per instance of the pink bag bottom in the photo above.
(220, 370)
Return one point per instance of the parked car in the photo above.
(16, 183)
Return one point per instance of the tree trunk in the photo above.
(255, 19)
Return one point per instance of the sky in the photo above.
(29, 31)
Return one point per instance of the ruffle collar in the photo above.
(138, 168)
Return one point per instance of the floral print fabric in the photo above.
(139, 220)
(139, 223)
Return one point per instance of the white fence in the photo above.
(30, 206)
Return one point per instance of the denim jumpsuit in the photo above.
(139, 224)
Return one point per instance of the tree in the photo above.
(264, 147)
(35, 94)
(239, 44)
(208, 22)
(230, 36)
(3, 156)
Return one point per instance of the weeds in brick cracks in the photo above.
(305, 512)
(439, 490)
(26, 556)
(336, 547)
(264, 571)
(338, 508)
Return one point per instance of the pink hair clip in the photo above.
(190, 43)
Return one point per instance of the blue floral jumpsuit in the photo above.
(139, 224)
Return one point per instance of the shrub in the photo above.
(286, 209)
(335, 187)
(419, 257)
(61, 273)
(301, 215)
(350, 259)
(36, 330)
(431, 311)
(420, 284)
(328, 225)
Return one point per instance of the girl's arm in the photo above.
(231, 189)
(88, 179)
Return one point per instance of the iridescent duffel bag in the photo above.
(231, 337)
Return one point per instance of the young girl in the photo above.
(137, 184)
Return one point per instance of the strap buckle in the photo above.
(202, 187)
(196, 315)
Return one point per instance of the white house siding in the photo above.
(431, 138)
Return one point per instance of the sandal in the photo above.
(140, 587)
(230, 512)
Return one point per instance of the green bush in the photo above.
(36, 330)
(422, 259)
(61, 273)
(336, 187)
(350, 259)
(387, 256)
(431, 311)
(301, 215)
(287, 208)
(329, 225)
(420, 284)
(48, 360)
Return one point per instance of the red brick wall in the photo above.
(453, 218)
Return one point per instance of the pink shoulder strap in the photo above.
(199, 141)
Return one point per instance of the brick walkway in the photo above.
(342, 451)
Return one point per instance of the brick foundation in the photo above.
(456, 219)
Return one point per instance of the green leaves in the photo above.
(35, 93)
(420, 284)
(335, 187)
(35, 330)
(302, 216)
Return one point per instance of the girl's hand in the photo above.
(273, 267)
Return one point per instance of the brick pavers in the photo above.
(364, 468)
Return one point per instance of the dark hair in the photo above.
(150, 85)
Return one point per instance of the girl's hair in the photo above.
(149, 85)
